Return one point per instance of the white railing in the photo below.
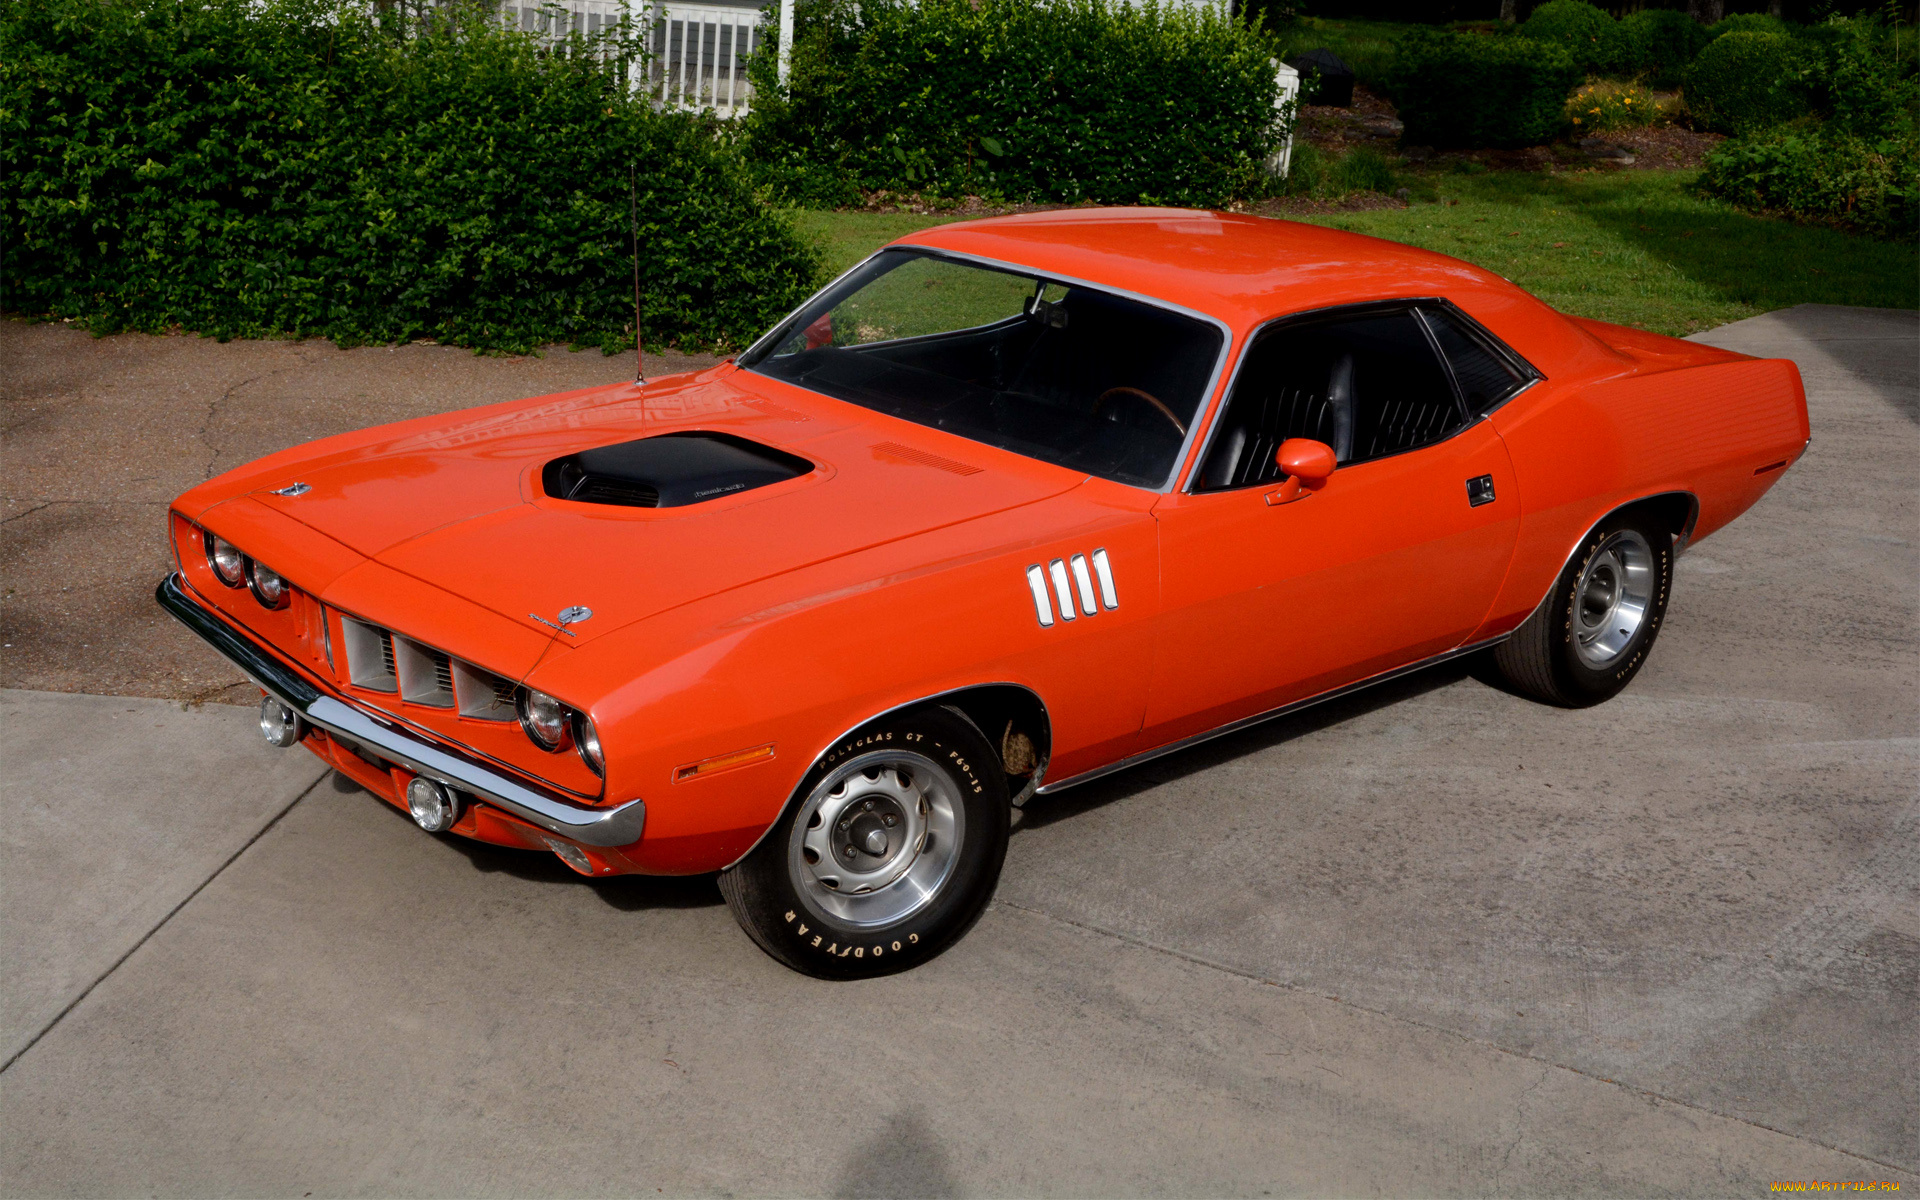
(700, 56)
(697, 53)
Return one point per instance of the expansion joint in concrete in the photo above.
(160, 924)
(1254, 977)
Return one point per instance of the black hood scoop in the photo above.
(669, 471)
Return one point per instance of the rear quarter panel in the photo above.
(1722, 431)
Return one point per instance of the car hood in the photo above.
(460, 505)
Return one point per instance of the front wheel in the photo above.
(889, 855)
(1591, 635)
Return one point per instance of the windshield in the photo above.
(1063, 373)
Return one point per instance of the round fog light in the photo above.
(433, 807)
(571, 855)
(281, 725)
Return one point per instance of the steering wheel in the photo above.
(1133, 393)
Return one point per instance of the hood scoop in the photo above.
(669, 471)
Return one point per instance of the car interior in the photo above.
(1368, 385)
(1090, 380)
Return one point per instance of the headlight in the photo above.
(268, 588)
(587, 738)
(544, 718)
(229, 565)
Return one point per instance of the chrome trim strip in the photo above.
(1062, 590)
(1109, 598)
(748, 358)
(620, 825)
(1083, 583)
(1272, 713)
(1042, 607)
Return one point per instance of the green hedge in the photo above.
(1658, 43)
(1750, 23)
(1589, 34)
(303, 169)
(1823, 174)
(1074, 100)
(1747, 81)
(1467, 90)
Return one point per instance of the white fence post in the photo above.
(1281, 160)
(786, 39)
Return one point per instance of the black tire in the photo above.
(933, 759)
(1556, 655)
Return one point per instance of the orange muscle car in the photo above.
(1012, 504)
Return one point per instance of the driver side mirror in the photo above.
(1309, 465)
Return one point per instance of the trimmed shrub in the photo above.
(1464, 90)
(1587, 33)
(1750, 23)
(1747, 81)
(1073, 100)
(1822, 174)
(309, 169)
(1658, 43)
(1599, 107)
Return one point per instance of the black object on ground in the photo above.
(1336, 77)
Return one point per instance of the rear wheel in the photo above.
(890, 854)
(1591, 635)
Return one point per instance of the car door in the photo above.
(1268, 599)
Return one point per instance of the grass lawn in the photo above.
(1633, 247)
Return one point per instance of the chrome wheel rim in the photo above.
(1610, 602)
(877, 839)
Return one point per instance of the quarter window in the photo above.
(1485, 380)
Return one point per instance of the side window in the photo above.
(1367, 385)
(1484, 378)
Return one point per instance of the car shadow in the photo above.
(635, 893)
(1042, 811)
(628, 893)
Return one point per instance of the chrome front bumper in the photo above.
(617, 826)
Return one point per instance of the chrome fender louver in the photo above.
(1072, 581)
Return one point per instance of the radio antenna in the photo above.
(639, 339)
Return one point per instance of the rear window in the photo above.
(1067, 374)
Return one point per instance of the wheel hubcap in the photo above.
(877, 838)
(1611, 601)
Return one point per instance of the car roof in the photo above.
(1241, 268)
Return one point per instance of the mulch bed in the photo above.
(1373, 121)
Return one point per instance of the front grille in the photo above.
(382, 661)
(426, 675)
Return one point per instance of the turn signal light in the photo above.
(722, 762)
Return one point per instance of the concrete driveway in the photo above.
(1432, 939)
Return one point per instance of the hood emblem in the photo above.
(571, 615)
(293, 489)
